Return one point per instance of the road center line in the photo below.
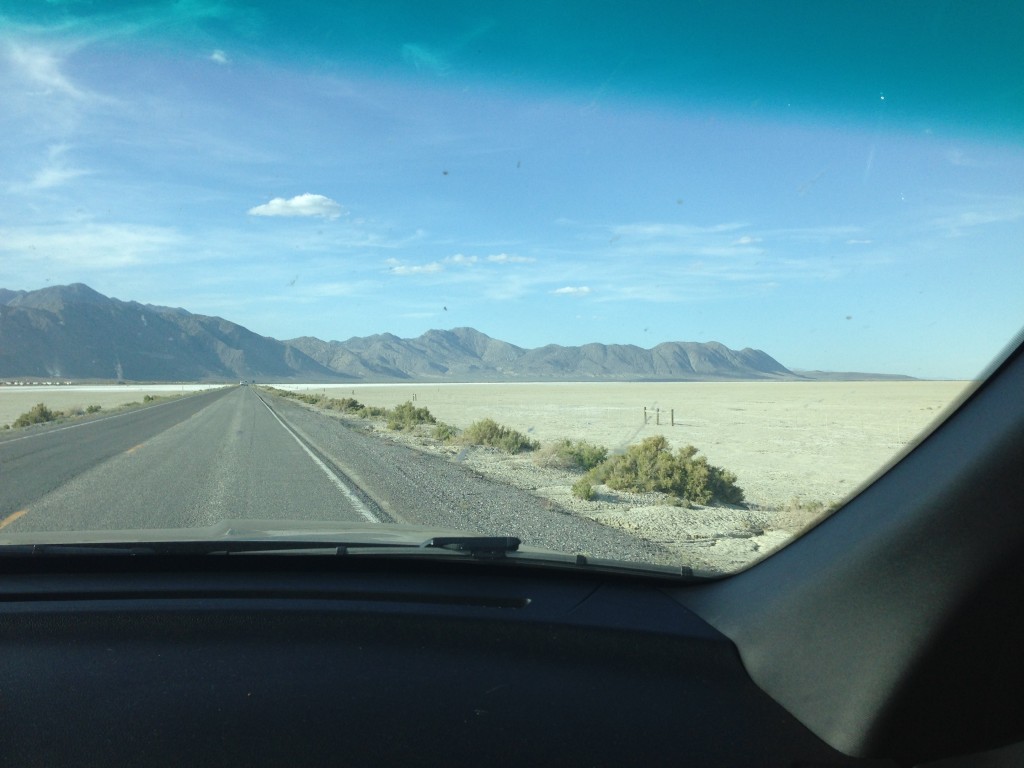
(13, 517)
(355, 501)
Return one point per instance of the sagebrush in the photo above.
(406, 416)
(39, 414)
(489, 432)
(578, 455)
(652, 466)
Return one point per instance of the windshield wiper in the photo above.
(479, 546)
(475, 546)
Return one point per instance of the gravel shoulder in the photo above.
(415, 482)
(421, 480)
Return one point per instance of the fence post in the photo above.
(672, 416)
(645, 415)
(657, 416)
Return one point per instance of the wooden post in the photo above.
(645, 415)
(657, 416)
(672, 416)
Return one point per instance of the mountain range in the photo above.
(74, 332)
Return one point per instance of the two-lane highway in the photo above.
(195, 461)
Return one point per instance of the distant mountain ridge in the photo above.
(466, 354)
(75, 332)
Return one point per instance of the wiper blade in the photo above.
(159, 548)
(476, 546)
(480, 546)
(503, 549)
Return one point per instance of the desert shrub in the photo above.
(372, 412)
(93, 408)
(651, 466)
(578, 455)
(796, 504)
(148, 398)
(489, 432)
(444, 432)
(406, 416)
(582, 489)
(810, 508)
(39, 414)
(344, 404)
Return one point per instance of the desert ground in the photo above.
(15, 401)
(814, 441)
(794, 446)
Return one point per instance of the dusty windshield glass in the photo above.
(661, 284)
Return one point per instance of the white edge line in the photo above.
(355, 501)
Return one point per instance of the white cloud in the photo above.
(300, 205)
(219, 57)
(657, 230)
(504, 258)
(573, 290)
(89, 246)
(423, 58)
(42, 69)
(54, 172)
(498, 258)
(416, 269)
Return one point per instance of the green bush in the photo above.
(406, 416)
(489, 432)
(372, 412)
(582, 489)
(578, 455)
(651, 466)
(444, 432)
(94, 409)
(344, 404)
(148, 398)
(39, 414)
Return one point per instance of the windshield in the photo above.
(652, 283)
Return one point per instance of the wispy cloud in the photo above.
(40, 68)
(55, 171)
(572, 290)
(504, 258)
(219, 57)
(423, 58)
(91, 246)
(957, 224)
(414, 269)
(300, 205)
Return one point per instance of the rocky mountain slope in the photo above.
(74, 332)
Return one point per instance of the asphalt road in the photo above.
(194, 461)
(238, 453)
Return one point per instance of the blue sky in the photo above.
(345, 175)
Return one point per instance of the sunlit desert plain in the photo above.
(814, 441)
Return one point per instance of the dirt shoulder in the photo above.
(711, 539)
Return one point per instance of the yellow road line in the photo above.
(12, 517)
